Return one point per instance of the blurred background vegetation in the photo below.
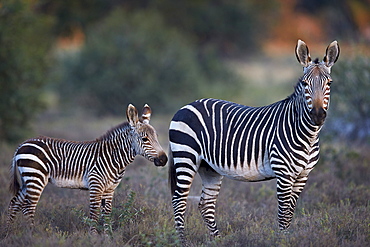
(97, 56)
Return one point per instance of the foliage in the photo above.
(229, 26)
(70, 14)
(344, 19)
(24, 43)
(136, 58)
(350, 111)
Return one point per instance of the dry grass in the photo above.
(334, 209)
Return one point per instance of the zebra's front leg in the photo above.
(288, 191)
(297, 188)
(211, 184)
(106, 207)
(96, 196)
(284, 196)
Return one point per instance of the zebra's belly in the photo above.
(69, 183)
(253, 172)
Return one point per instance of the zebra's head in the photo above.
(316, 79)
(145, 141)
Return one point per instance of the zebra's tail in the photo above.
(15, 182)
(171, 172)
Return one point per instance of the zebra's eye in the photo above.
(329, 83)
(145, 139)
(304, 83)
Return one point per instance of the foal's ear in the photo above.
(147, 112)
(302, 53)
(132, 115)
(332, 54)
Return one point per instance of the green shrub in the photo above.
(24, 43)
(136, 58)
(232, 26)
(350, 110)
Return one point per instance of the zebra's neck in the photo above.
(301, 114)
(118, 141)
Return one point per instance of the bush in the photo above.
(350, 111)
(136, 58)
(232, 26)
(24, 43)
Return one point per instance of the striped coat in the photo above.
(217, 139)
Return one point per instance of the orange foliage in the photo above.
(74, 41)
(292, 26)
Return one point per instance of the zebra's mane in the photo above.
(107, 136)
(297, 90)
(114, 131)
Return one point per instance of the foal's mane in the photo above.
(114, 131)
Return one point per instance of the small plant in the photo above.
(129, 212)
(89, 222)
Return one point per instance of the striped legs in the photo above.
(185, 172)
(100, 202)
(15, 205)
(26, 201)
(106, 209)
(211, 181)
(288, 191)
(96, 196)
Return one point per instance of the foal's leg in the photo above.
(107, 210)
(15, 205)
(33, 193)
(211, 181)
(96, 196)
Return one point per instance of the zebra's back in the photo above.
(62, 163)
(230, 137)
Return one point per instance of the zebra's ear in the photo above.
(302, 53)
(332, 54)
(132, 115)
(147, 112)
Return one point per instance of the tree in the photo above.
(136, 58)
(350, 115)
(24, 43)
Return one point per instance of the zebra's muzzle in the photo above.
(161, 160)
(318, 116)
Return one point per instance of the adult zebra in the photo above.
(97, 166)
(217, 138)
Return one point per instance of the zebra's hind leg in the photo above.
(211, 184)
(33, 193)
(15, 205)
(184, 174)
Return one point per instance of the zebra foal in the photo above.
(97, 166)
(217, 139)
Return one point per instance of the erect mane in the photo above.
(297, 90)
(114, 131)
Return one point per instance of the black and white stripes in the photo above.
(217, 138)
(97, 166)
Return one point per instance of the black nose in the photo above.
(318, 116)
(161, 160)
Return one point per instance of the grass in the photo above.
(333, 210)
